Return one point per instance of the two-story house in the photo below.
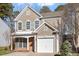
(34, 32)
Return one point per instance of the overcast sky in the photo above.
(36, 6)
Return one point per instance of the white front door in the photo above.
(45, 45)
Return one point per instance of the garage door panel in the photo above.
(45, 45)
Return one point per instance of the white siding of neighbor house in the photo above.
(4, 34)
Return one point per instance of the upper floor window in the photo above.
(36, 24)
(28, 24)
(19, 25)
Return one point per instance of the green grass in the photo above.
(4, 50)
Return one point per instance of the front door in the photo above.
(31, 44)
(20, 44)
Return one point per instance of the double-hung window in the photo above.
(28, 25)
(36, 24)
(20, 26)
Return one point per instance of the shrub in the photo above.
(66, 48)
(57, 55)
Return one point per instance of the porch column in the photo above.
(35, 44)
(57, 42)
(27, 43)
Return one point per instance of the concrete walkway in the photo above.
(28, 54)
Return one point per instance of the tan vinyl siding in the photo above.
(55, 45)
(54, 21)
(32, 16)
(24, 17)
(45, 31)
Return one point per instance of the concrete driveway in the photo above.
(28, 54)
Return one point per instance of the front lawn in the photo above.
(4, 50)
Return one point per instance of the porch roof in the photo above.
(23, 33)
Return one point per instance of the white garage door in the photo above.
(45, 45)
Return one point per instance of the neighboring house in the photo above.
(9, 21)
(34, 32)
(4, 34)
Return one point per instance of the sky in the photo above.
(36, 6)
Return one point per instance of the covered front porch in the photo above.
(23, 42)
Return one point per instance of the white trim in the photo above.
(57, 43)
(23, 36)
(35, 38)
(22, 32)
(47, 24)
(26, 25)
(17, 25)
(46, 36)
(27, 43)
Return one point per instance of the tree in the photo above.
(44, 9)
(71, 22)
(66, 48)
(15, 13)
(6, 9)
(60, 8)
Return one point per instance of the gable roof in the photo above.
(47, 25)
(35, 11)
(52, 14)
(25, 10)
